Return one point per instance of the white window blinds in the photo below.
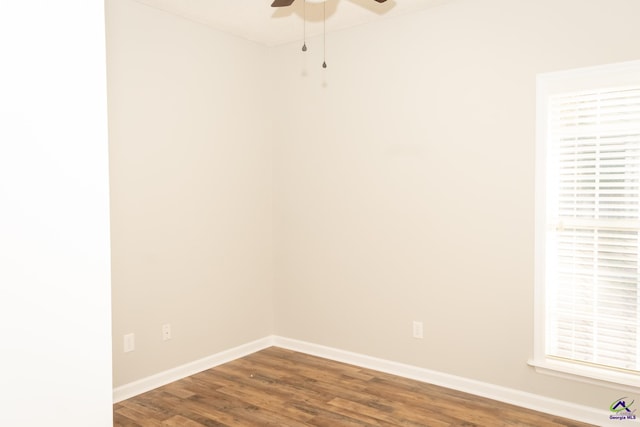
(593, 217)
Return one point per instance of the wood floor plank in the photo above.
(279, 387)
(180, 421)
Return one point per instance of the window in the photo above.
(588, 223)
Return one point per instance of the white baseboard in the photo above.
(586, 414)
(523, 399)
(149, 383)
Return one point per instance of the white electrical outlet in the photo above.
(166, 332)
(129, 342)
(417, 329)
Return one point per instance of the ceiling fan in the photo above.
(285, 3)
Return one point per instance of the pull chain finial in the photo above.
(304, 25)
(324, 35)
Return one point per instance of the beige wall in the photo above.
(403, 183)
(190, 189)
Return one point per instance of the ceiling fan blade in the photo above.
(283, 3)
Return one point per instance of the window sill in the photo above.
(587, 374)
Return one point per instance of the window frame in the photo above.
(547, 85)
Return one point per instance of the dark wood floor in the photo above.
(277, 387)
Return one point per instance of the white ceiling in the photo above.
(257, 21)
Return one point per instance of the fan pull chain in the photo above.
(304, 25)
(324, 35)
